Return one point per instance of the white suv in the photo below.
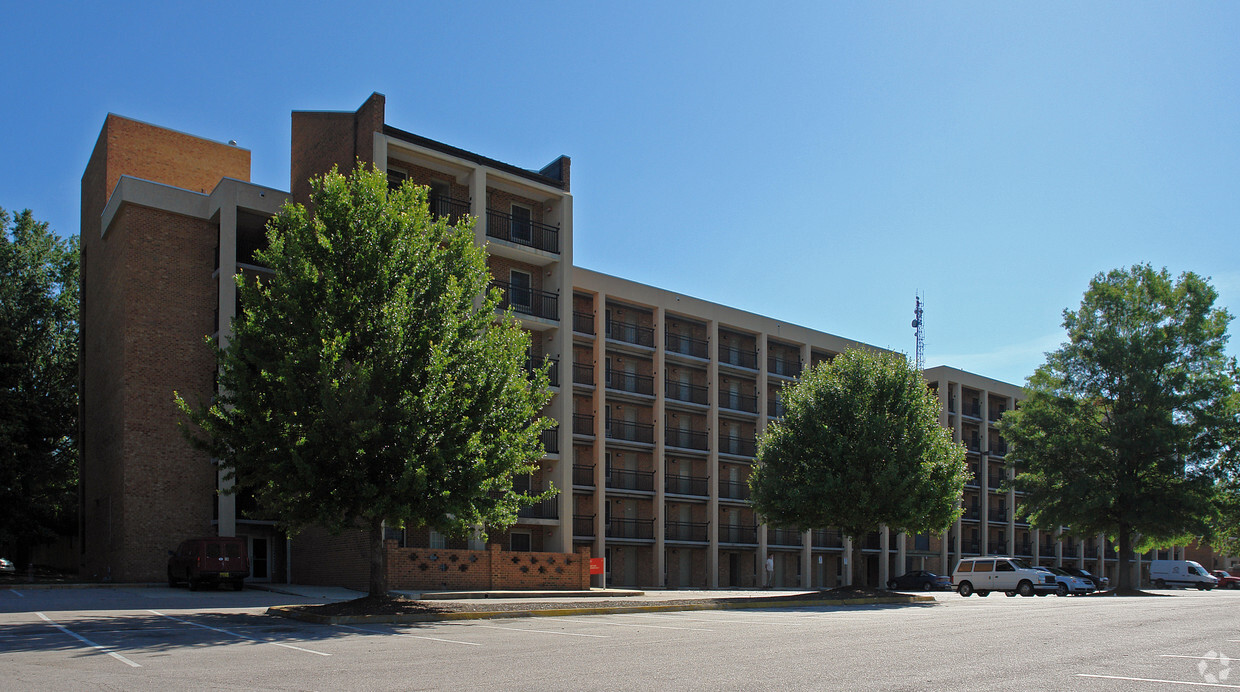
(1010, 575)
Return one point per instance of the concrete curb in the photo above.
(289, 612)
(80, 585)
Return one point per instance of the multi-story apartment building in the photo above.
(660, 397)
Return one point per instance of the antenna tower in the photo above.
(919, 327)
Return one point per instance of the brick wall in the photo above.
(422, 569)
(501, 267)
(502, 201)
(323, 559)
(323, 139)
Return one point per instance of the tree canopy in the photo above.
(859, 447)
(368, 379)
(1122, 427)
(38, 382)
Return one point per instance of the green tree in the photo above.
(859, 447)
(368, 380)
(38, 383)
(1123, 424)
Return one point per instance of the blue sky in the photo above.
(815, 162)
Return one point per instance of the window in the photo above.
(1004, 566)
(984, 566)
(965, 566)
(521, 230)
(436, 540)
(396, 177)
(519, 542)
(519, 294)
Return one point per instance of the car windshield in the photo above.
(1196, 568)
(1056, 570)
(1019, 564)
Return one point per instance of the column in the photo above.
(807, 561)
(901, 554)
(763, 549)
(847, 557)
(660, 463)
(227, 307)
(598, 405)
(712, 458)
(884, 556)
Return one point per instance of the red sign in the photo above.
(596, 565)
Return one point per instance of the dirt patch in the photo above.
(395, 605)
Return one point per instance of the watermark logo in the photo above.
(1214, 667)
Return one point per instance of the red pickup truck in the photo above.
(1225, 580)
(218, 560)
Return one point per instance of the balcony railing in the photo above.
(997, 548)
(731, 355)
(827, 538)
(972, 513)
(998, 450)
(625, 479)
(583, 373)
(631, 431)
(1024, 549)
(872, 541)
(1070, 551)
(551, 440)
(974, 409)
(528, 301)
(733, 533)
(630, 332)
(522, 231)
(740, 446)
(642, 529)
(583, 424)
(544, 509)
(734, 490)
(583, 525)
(738, 402)
(444, 207)
(683, 391)
(630, 382)
(686, 345)
(686, 485)
(785, 537)
(583, 322)
(685, 531)
(972, 478)
(685, 439)
(783, 366)
(553, 372)
(969, 547)
(999, 515)
(583, 474)
(994, 480)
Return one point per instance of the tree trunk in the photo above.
(378, 559)
(1124, 578)
(860, 575)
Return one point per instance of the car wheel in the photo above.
(1061, 590)
(891, 585)
(983, 594)
(1025, 588)
(1160, 583)
(1235, 585)
(925, 586)
(965, 589)
(1010, 594)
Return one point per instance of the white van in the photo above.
(1187, 573)
(981, 575)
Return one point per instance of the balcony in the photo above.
(551, 440)
(583, 424)
(784, 367)
(785, 537)
(999, 515)
(731, 355)
(528, 301)
(625, 479)
(827, 538)
(686, 345)
(973, 410)
(553, 372)
(520, 231)
(448, 208)
(583, 373)
(686, 485)
(636, 529)
(738, 402)
(739, 446)
(583, 322)
(970, 547)
(1046, 549)
(686, 531)
(1024, 549)
(732, 533)
(544, 509)
(734, 490)
(683, 391)
(872, 541)
(583, 525)
(1070, 551)
(998, 450)
(972, 479)
(583, 475)
(995, 480)
(631, 333)
(630, 431)
(685, 439)
(997, 548)
(971, 514)
(630, 382)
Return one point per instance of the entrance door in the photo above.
(734, 569)
(260, 559)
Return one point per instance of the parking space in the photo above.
(1169, 639)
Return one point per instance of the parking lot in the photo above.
(158, 638)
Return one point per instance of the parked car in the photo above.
(203, 561)
(981, 575)
(1225, 580)
(1186, 573)
(7, 565)
(920, 580)
(1100, 583)
(1067, 583)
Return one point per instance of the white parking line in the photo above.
(1220, 658)
(17, 593)
(1162, 682)
(89, 643)
(240, 636)
(404, 634)
(715, 620)
(522, 629)
(629, 624)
